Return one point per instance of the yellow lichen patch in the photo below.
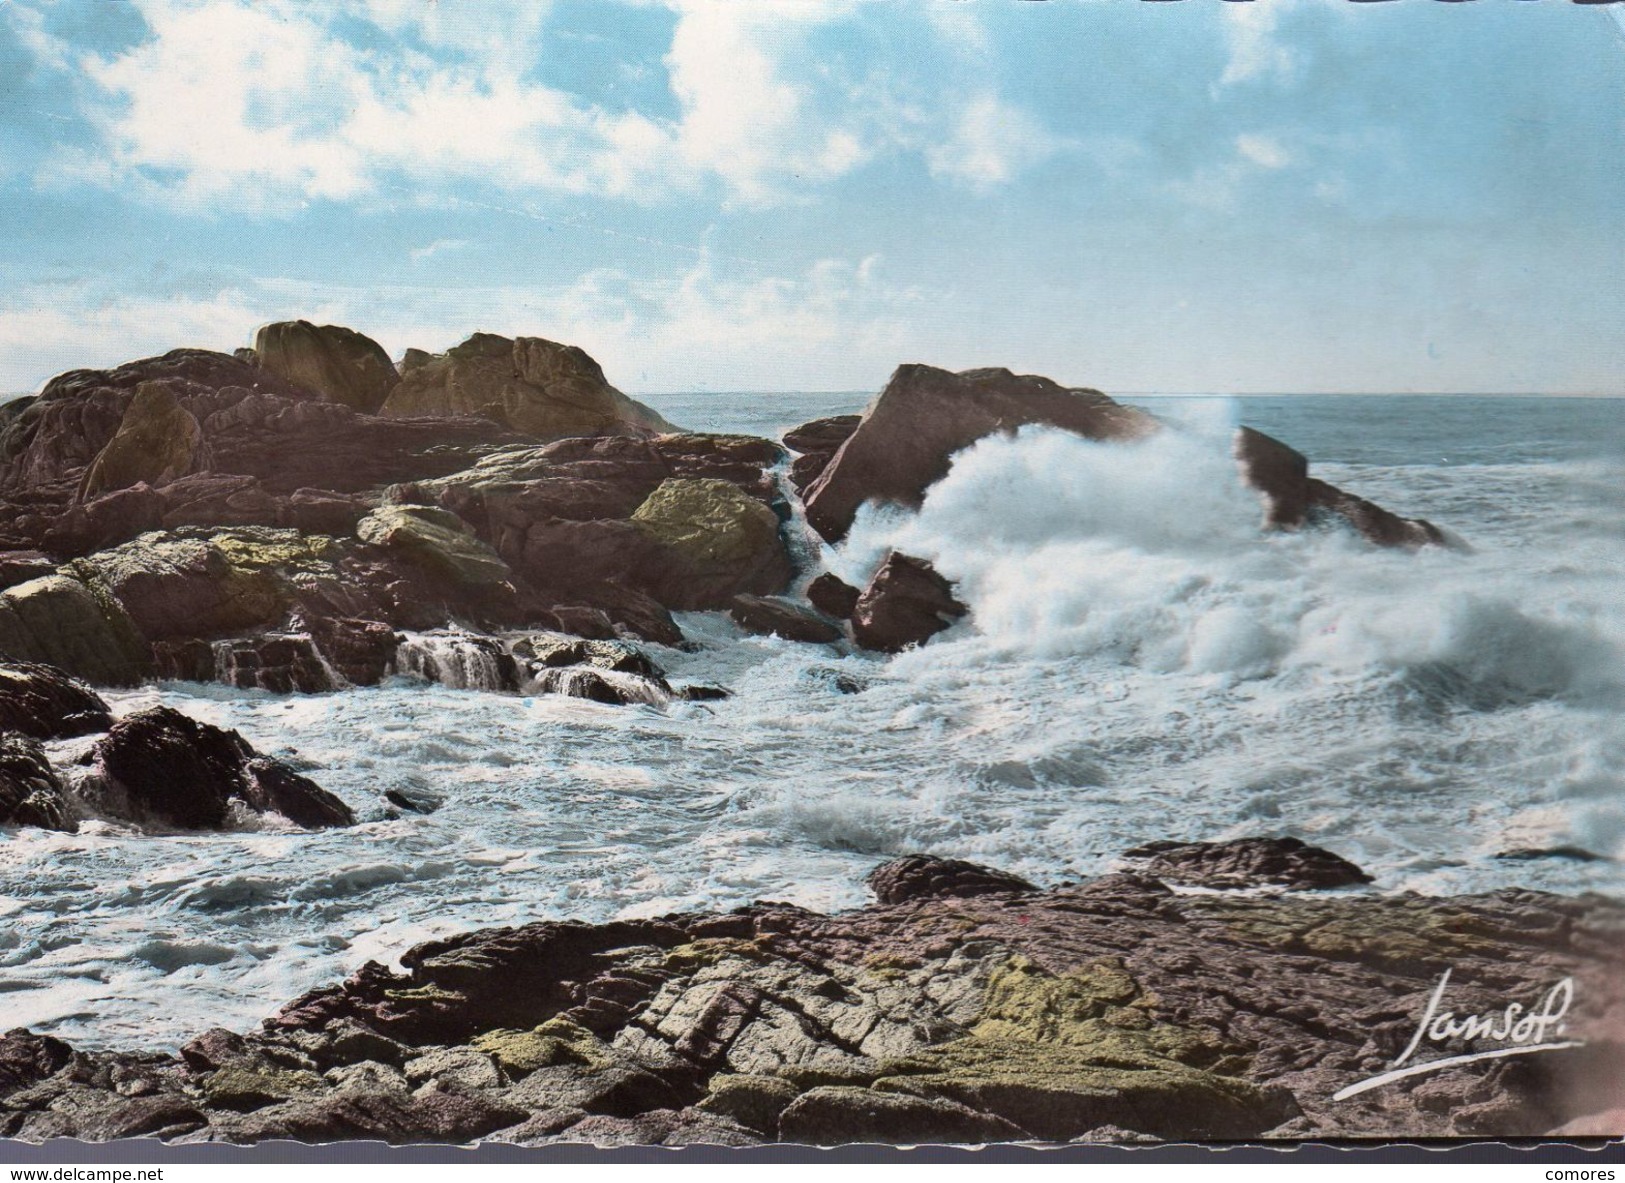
(1060, 1054)
(285, 551)
(556, 1042)
(709, 951)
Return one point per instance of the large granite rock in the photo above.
(157, 441)
(539, 388)
(340, 364)
(1293, 499)
(906, 603)
(42, 702)
(159, 766)
(925, 415)
(60, 621)
(717, 543)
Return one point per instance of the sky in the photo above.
(1202, 197)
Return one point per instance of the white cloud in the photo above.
(1264, 151)
(436, 247)
(1255, 53)
(991, 142)
(265, 104)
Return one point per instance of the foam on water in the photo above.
(1140, 663)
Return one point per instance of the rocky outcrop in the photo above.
(715, 542)
(1293, 499)
(776, 617)
(906, 603)
(157, 441)
(976, 1008)
(539, 388)
(42, 702)
(925, 415)
(1245, 863)
(340, 364)
(159, 766)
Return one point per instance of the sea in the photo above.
(1141, 662)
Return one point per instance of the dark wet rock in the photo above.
(585, 682)
(30, 792)
(540, 388)
(340, 364)
(414, 800)
(61, 621)
(42, 702)
(1293, 499)
(1577, 854)
(175, 771)
(1246, 862)
(701, 692)
(923, 876)
(835, 1115)
(925, 415)
(286, 663)
(833, 596)
(773, 616)
(360, 651)
(906, 603)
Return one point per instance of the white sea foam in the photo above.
(1140, 663)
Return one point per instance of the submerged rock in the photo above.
(1246, 862)
(772, 616)
(925, 415)
(906, 603)
(164, 767)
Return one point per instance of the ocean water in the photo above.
(1141, 663)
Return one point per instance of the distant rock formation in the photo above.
(340, 364)
(1293, 499)
(924, 415)
(540, 388)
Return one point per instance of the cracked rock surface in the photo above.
(971, 1008)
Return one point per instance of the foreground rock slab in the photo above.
(974, 1007)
